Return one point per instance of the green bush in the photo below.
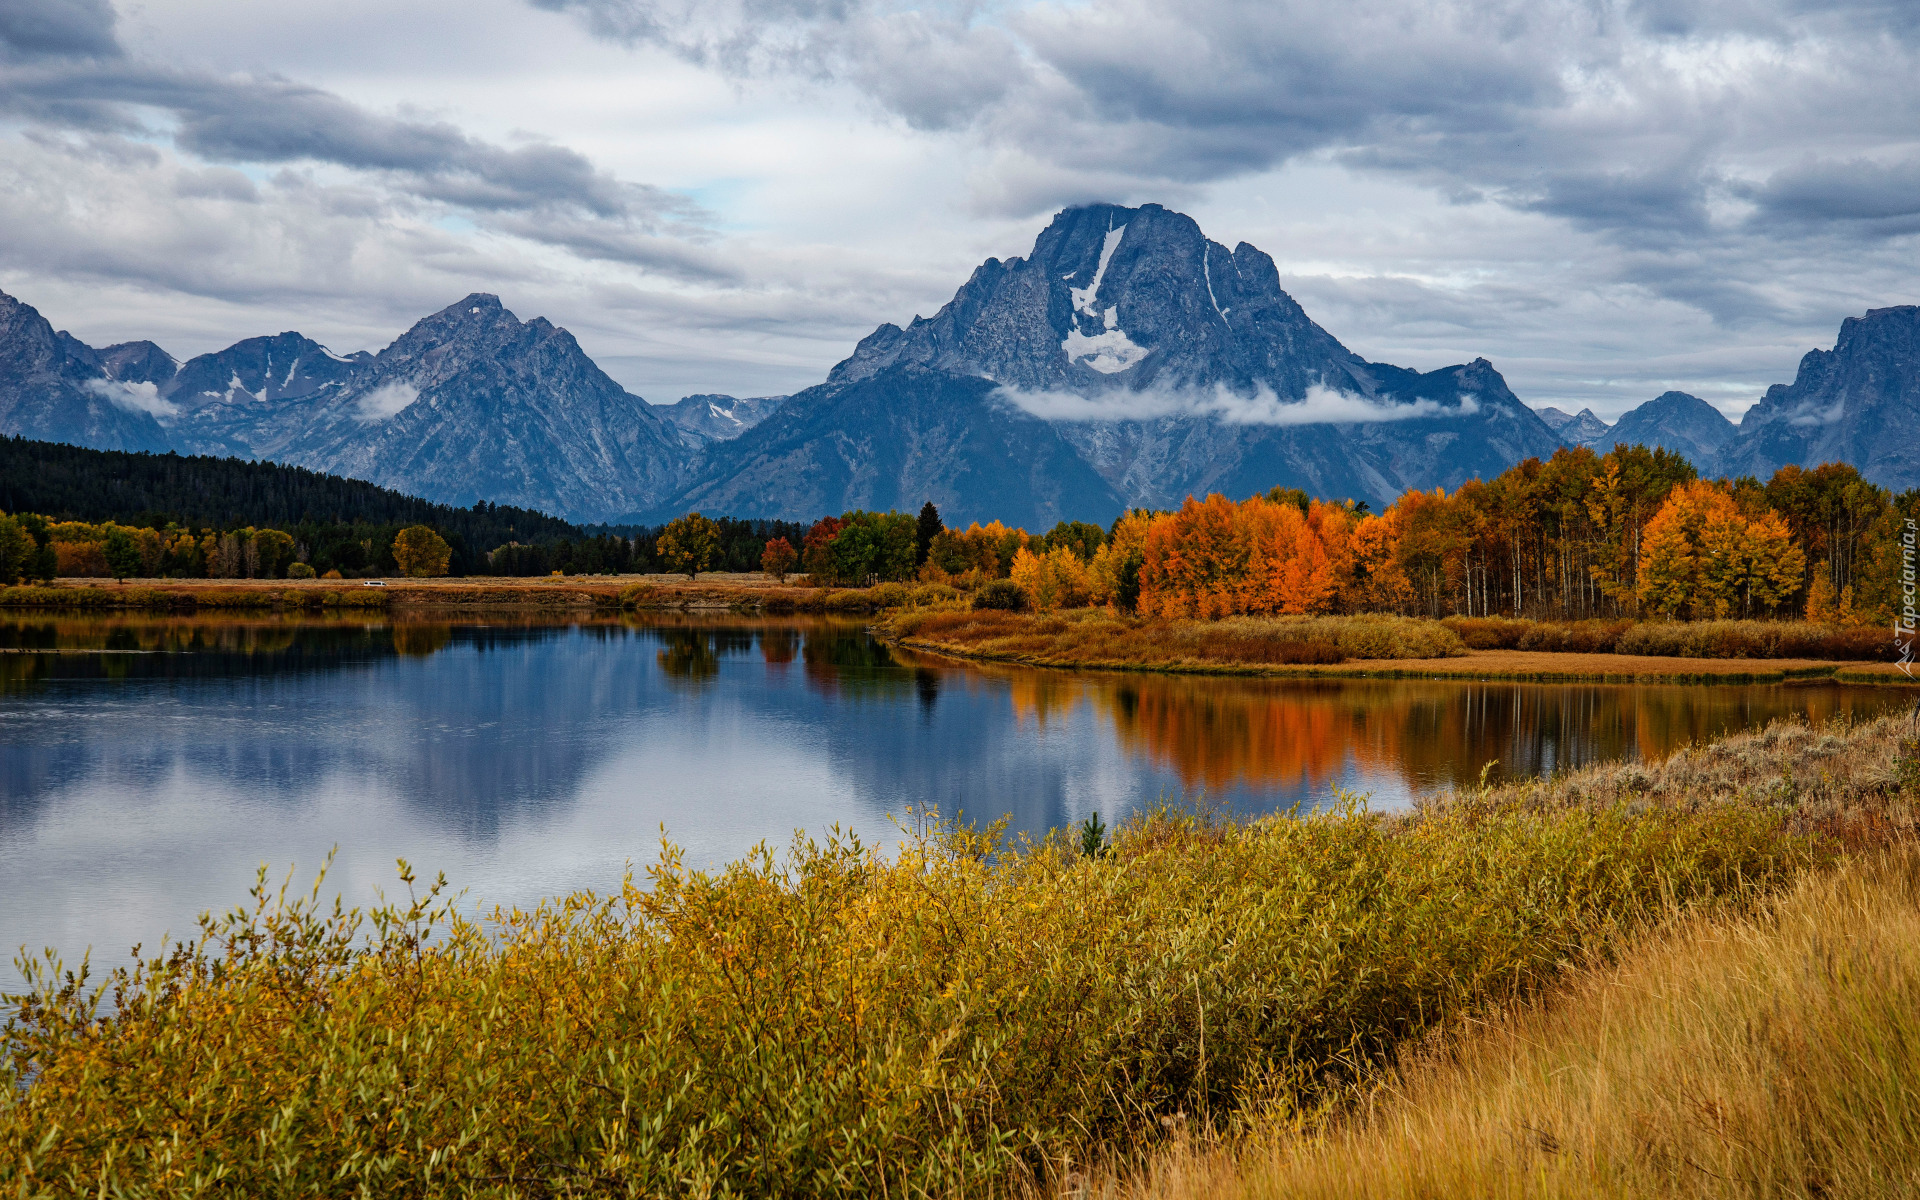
(827, 1021)
(1002, 594)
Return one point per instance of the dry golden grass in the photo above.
(1376, 646)
(1842, 780)
(1097, 637)
(1775, 1054)
(1761, 1052)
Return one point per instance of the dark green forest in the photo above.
(343, 524)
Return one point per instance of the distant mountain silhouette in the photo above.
(1686, 425)
(1578, 429)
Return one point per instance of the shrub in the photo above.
(299, 570)
(929, 594)
(1489, 633)
(1002, 594)
(1755, 639)
(827, 1021)
(887, 595)
(849, 601)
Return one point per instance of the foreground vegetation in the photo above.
(1767, 1054)
(958, 1016)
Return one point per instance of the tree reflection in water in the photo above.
(1218, 734)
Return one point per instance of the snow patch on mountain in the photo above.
(1109, 352)
(1206, 272)
(1083, 297)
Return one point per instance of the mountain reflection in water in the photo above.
(148, 764)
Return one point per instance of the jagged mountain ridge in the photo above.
(1127, 360)
(55, 387)
(469, 404)
(1172, 366)
(711, 417)
(1575, 429)
(472, 404)
(1857, 403)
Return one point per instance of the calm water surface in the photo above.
(149, 765)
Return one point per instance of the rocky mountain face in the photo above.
(1676, 421)
(470, 404)
(1575, 429)
(473, 404)
(896, 439)
(1172, 366)
(56, 388)
(714, 418)
(1857, 403)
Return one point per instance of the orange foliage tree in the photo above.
(1215, 558)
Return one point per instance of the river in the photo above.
(149, 765)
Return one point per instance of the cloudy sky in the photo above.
(1605, 197)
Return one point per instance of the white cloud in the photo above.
(386, 401)
(134, 397)
(1320, 406)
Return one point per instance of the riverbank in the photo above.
(1327, 647)
(740, 593)
(960, 1015)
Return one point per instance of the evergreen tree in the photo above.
(928, 527)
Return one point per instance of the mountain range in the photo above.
(1128, 360)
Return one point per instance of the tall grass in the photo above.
(952, 1017)
(1098, 637)
(1771, 1054)
(1677, 639)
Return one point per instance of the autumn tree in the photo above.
(419, 551)
(689, 545)
(778, 558)
(1704, 557)
(1054, 579)
(1115, 569)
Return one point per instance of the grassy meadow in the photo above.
(965, 1015)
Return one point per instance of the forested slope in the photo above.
(77, 484)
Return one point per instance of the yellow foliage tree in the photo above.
(1114, 572)
(689, 544)
(1702, 556)
(1056, 579)
(419, 551)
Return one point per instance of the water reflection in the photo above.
(148, 768)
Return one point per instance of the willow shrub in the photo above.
(943, 1018)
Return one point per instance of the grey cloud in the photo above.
(1856, 190)
(608, 242)
(271, 120)
(57, 28)
(1635, 120)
